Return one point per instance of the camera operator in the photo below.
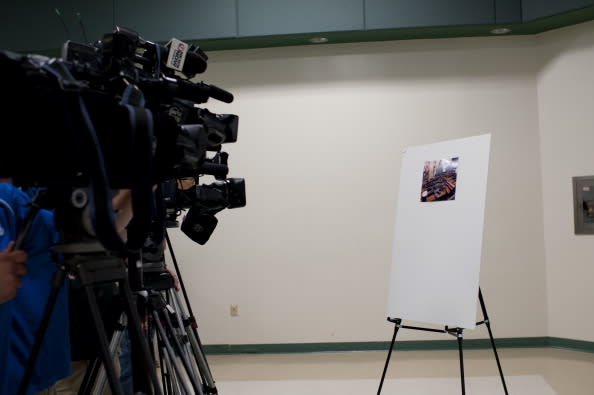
(21, 316)
(12, 268)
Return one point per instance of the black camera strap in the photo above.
(82, 129)
(141, 127)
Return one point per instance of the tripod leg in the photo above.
(114, 382)
(195, 348)
(396, 327)
(90, 376)
(170, 385)
(57, 281)
(173, 383)
(203, 364)
(195, 383)
(191, 327)
(488, 324)
(460, 337)
(201, 361)
(157, 353)
(164, 373)
(116, 339)
(170, 354)
(138, 338)
(180, 332)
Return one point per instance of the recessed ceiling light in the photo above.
(318, 40)
(501, 30)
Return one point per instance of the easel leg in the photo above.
(396, 327)
(488, 324)
(460, 337)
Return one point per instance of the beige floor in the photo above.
(527, 371)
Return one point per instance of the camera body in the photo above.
(202, 203)
(126, 90)
(121, 113)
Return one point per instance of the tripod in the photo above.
(147, 315)
(95, 269)
(187, 320)
(176, 340)
(172, 337)
(458, 333)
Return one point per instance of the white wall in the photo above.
(566, 116)
(320, 140)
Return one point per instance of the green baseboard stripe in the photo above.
(409, 345)
(569, 344)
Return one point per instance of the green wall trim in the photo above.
(408, 345)
(532, 27)
(569, 344)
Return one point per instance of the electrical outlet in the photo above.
(234, 310)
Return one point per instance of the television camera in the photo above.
(121, 113)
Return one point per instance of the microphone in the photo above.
(194, 63)
(194, 59)
(170, 88)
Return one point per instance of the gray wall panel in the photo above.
(534, 9)
(34, 25)
(385, 14)
(157, 20)
(508, 11)
(267, 17)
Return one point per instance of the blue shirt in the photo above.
(7, 233)
(26, 309)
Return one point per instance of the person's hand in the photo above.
(122, 205)
(12, 268)
(175, 279)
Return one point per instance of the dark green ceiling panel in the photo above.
(156, 20)
(268, 17)
(534, 9)
(534, 27)
(34, 25)
(384, 14)
(508, 11)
